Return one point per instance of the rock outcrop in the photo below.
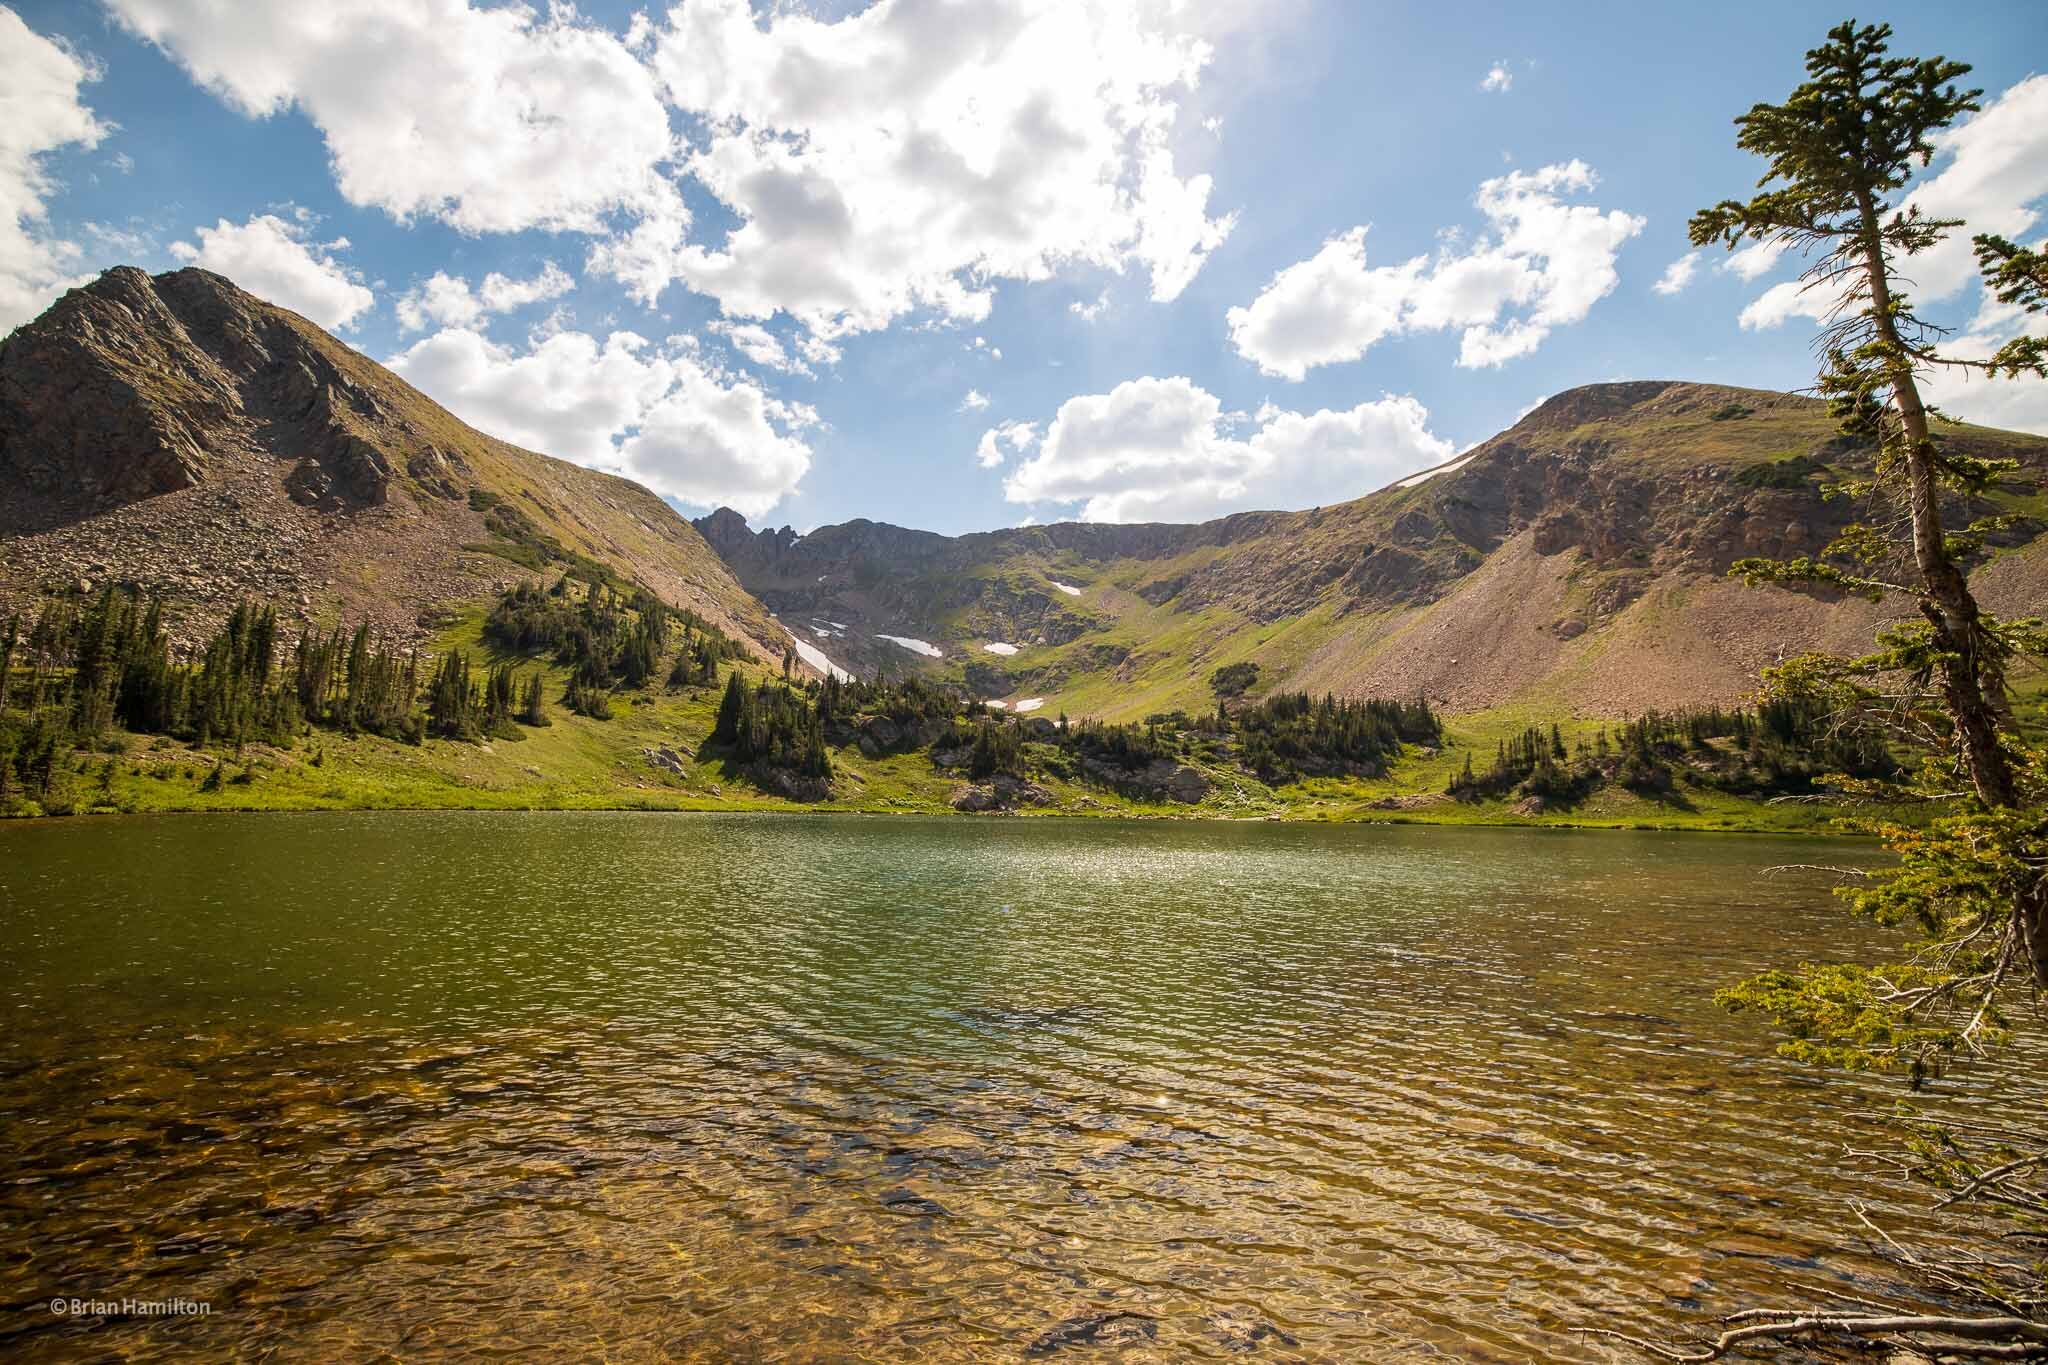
(1000, 793)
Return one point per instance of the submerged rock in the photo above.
(1096, 1329)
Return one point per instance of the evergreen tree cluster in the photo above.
(87, 665)
(1233, 680)
(911, 705)
(993, 746)
(1786, 746)
(1290, 734)
(1122, 746)
(606, 638)
(462, 706)
(771, 725)
(348, 681)
(31, 757)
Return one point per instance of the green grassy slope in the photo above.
(578, 763)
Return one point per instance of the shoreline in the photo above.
(1400, 818)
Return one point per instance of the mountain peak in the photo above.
(1614, 400)
(215, 446)
(723, 524)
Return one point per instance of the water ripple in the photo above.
(759, 1088)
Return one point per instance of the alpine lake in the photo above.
(757, 1087)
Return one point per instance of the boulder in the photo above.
(665, 758)
(1185, 784)
(1160, 780)
(1003, 792)
(1015, 791)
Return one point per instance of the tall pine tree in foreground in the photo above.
(1972, 883)
(1841, 151)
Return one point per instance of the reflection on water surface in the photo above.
(774, 1087)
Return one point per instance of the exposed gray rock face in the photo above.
(136, 386)
(1002, 792)
(106, 398)
(1160, 780)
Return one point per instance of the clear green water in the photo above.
(647, 1086)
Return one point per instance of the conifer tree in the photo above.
(533, 711)
(7, 643)
(1841, 150)
(731, 709)
(1972, 883)
(451, 702)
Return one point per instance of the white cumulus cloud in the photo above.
(1754, 261)
(490, 119)
(274, 259)
(1498, 79)
(1678, 274)
(765, 349)
(975, 401)
(502, 294)
(447, 300)
(657, 414)
(910, 155)
(1088, 312)
(1165, 450)
(40, 112)
(1541, 263)
(1018, 436)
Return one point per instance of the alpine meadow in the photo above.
(1369, 828)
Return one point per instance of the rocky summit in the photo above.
(178, 434)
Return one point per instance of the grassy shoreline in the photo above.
(1816, 833)
(646, 757)
(337, 773)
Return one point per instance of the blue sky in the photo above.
(1121, 228)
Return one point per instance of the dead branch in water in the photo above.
(1969, 1338)
(1990, 1168)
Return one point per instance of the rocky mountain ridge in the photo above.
(1574, 559)
(179, 434)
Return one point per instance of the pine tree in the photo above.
(1840, 150)
(451, 702)
(731, 709)
(7, 644)
(533, 711)
(1972, 884)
